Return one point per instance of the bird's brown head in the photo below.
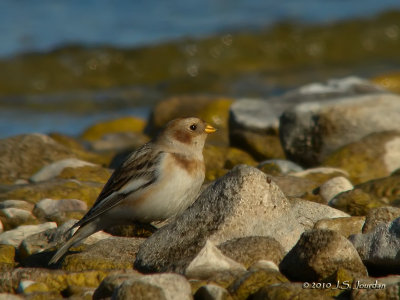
(186, 132)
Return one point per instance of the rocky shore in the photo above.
(301, 199)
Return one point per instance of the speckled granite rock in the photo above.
(318, 254)
(375, 155)
(379, 249)
(242, 203)
(158, 286)
(378, 216)
(248, 250)
(311, 131)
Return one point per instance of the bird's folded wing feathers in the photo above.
(139, 171)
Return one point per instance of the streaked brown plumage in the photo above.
(157, 181)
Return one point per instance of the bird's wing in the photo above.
(139, 171)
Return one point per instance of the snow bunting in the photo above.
(157, 181)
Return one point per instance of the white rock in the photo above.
(334, 186)
(391, 157)
(48, 207)
(209, 261)
(264, 264)
(24, 284)
(52, 170)
(15, 236)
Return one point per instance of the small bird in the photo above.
(157, 181)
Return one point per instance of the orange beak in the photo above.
(209, 129)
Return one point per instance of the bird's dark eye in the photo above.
(193, 127)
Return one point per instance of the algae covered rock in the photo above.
(318, 254)
(7, 257)
(55, 189)
(121, 253)
(374, 156)
(346, 226)
(126, 124)
(366, 196)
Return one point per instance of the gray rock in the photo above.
(158, 286)
(49, 207)
(378, 216)
(319, 254)
(16, 236)
(16, 204)
(242, 203)
(263, 115)
(380, 249)
(334, 186)
(313, 130)
(22, 155)
(54, 169)
(248, 250)
(212, 292)
(307, 213)
(209, 261)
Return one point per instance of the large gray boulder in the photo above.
(311, 131)
(244, 202)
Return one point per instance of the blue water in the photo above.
(42, 25)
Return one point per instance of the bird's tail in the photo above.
(82, 233)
